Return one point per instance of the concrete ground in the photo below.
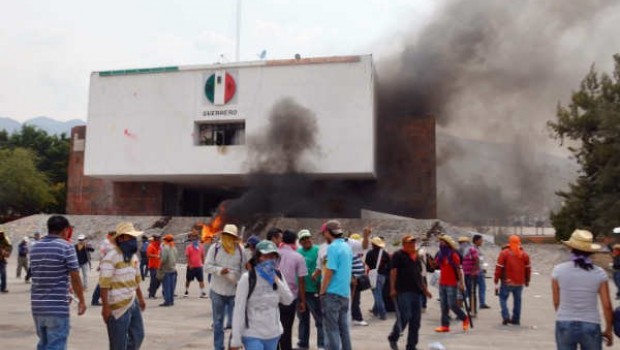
(187, 324)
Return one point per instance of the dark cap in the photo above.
(408, 239)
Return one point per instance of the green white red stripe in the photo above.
(220, 88)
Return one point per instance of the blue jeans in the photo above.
(250, 343)
(313, 307)
(504, 292)
(410, 314)
(379, 306)
(168, 286)
(153, 283)
(143, 267)
(447, 296)
(127, 331)
(617, 282)
(336, 322)
(482, 289)
(570, 333)
(96, 295)
(218, 307)
(3, 275)
(52, 331)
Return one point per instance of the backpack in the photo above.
(252, 285)
(217, 250)
(22, 250)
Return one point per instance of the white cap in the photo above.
(81, 237)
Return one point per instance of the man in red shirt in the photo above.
(514, 271)
(450, 282)
(153, 253)
(195, 254)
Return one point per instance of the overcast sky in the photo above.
(49, 48)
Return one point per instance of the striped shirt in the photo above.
(51, 260)
(121, 278)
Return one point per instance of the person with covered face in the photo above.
(451, 282)
(195, 256)
(153, 253)
(577, 285)
(256, 320)
(406, 287)
(121, 297)
(513, 270)
(225, 263)
(168, 268)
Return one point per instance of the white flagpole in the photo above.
(238, 43)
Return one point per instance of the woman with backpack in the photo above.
(256, 319)
(576, 286)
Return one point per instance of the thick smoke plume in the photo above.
(494, 71)
(277, 167)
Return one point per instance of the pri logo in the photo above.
(220, 88)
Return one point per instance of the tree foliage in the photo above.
(24, 190)
(49, 157)
(591, 125)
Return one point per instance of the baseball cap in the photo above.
(304, 234)
(252, 241)
(266, 247)
(332, 226)
(408, 238)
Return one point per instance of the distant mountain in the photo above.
(51, 126)
(9, 124)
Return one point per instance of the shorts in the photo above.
(195, 272)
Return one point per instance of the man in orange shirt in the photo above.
(513, 269)
(153, 253)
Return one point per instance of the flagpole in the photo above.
(237, 43)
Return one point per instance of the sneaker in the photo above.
(466, 324)
(505, 322)
(360, 323)
(442, 329)
(186, 294)
(203, 295)
(393, 344)
(227, 327)
(165, 304)
(485, 306)
(515, 322)
(4, 291)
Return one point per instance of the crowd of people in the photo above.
(258, 287)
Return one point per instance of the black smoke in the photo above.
(494, 71)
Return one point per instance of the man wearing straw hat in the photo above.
(450, 282)
(121, 297)
(577, 285)
(378, 261)
(225, 263)
(514, 271)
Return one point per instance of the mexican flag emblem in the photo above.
(220, 88)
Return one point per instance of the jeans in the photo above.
(482, 289)
(568, 334)
(410, 314)
(356, 311)
(96, 295)
(3, 275)
(504, 292)
(378, 307)
(335, 322)
(471, 282)
(287, 318)
(53, 332)
(85, 268)
(218, 307)
(447, 295)
(154, 282)
(617, 282)
(313, 306)
(168, 286)
(143, 267)
(127, 331)
(250, 343)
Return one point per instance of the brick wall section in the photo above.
(91, 196)
(406, 167)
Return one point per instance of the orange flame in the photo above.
(215, 226)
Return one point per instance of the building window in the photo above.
(220, 134)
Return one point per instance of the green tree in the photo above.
(24, 190)
(52, 157)
(591, 125)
